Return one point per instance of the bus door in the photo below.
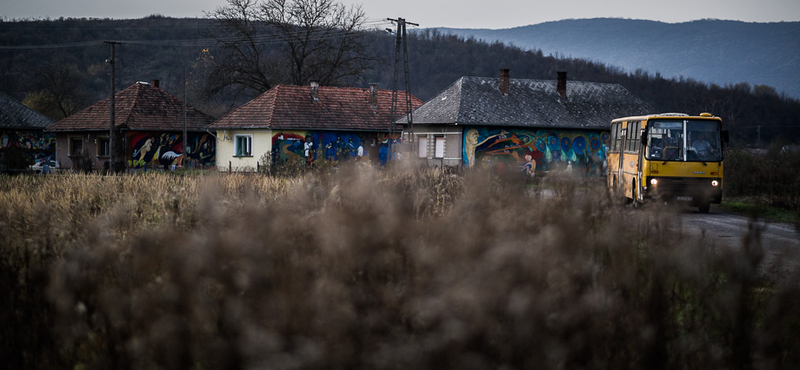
(641, 142)
(620, 164)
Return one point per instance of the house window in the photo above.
(103, 149)
(439, 148)
(243, 145)
(423, 146)
(76, 146)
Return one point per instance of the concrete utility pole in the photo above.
(185, 159)
(401, 38)
(113, 61)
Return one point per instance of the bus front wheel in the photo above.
(704, 207)
(635, 198)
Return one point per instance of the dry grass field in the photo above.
(371, 269)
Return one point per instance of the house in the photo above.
(519, 124)
(308, 125)
(22, 136)
(149, 124)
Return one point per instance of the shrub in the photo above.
(770, 178)
(367, 268)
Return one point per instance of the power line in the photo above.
(260, 39)
(53, 46)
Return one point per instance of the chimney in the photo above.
(156, 83)
(562, 84)
(373, 95)
(315, 90)
(504, 83)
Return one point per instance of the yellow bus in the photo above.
(671, 157)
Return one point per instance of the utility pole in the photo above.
(185, 159)
(113, 61)
(401, 39)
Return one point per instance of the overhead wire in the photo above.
(200, 42)
(51, 46)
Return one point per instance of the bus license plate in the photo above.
(685, 199)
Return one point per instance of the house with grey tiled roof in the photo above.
(520, 124)
(308, 125)
(22, 130)
(148, 123)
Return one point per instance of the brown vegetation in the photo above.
(769, 177)
(371, 269)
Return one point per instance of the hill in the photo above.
(711, 51)
(66, 57)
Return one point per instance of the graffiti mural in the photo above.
(330, 147)
(36, 145)
(528, 151)
(155, 150)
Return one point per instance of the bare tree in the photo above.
(58, 92)
(267, 42)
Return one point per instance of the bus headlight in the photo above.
(654, 182)
(714, 183)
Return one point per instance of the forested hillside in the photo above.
(709, 50)
(67, 58)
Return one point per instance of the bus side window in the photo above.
(628, 137)
(612, 138)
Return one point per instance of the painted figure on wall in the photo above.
(166, 150)
(290, 147)
(36, 145)
(534, 150)
(329, 147)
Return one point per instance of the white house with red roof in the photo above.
(309, 125)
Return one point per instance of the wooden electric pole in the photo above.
(113, 61)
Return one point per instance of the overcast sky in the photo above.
(442, 13)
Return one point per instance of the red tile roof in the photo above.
(139, 107)
(338, 108)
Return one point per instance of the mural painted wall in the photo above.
(331, 147)
(35, 145)
(527, 150)
(165, 149)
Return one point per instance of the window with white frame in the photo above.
(103, 149)
(439, 147)
(423, 146)
(243, 145)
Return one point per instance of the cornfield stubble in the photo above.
(375, 269)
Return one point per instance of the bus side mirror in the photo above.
(644, 138)
(725, 138)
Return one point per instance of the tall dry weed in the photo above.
(377, 268)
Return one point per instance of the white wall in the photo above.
(452, 144)
(226, 159)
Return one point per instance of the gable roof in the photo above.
(529, 103)
(337, 108)
(141, 106)
(15, 115)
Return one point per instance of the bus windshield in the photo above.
(684, 140)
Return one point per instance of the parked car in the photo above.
(39, 166)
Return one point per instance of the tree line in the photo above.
(242, 49)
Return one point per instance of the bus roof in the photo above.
(666, 115)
